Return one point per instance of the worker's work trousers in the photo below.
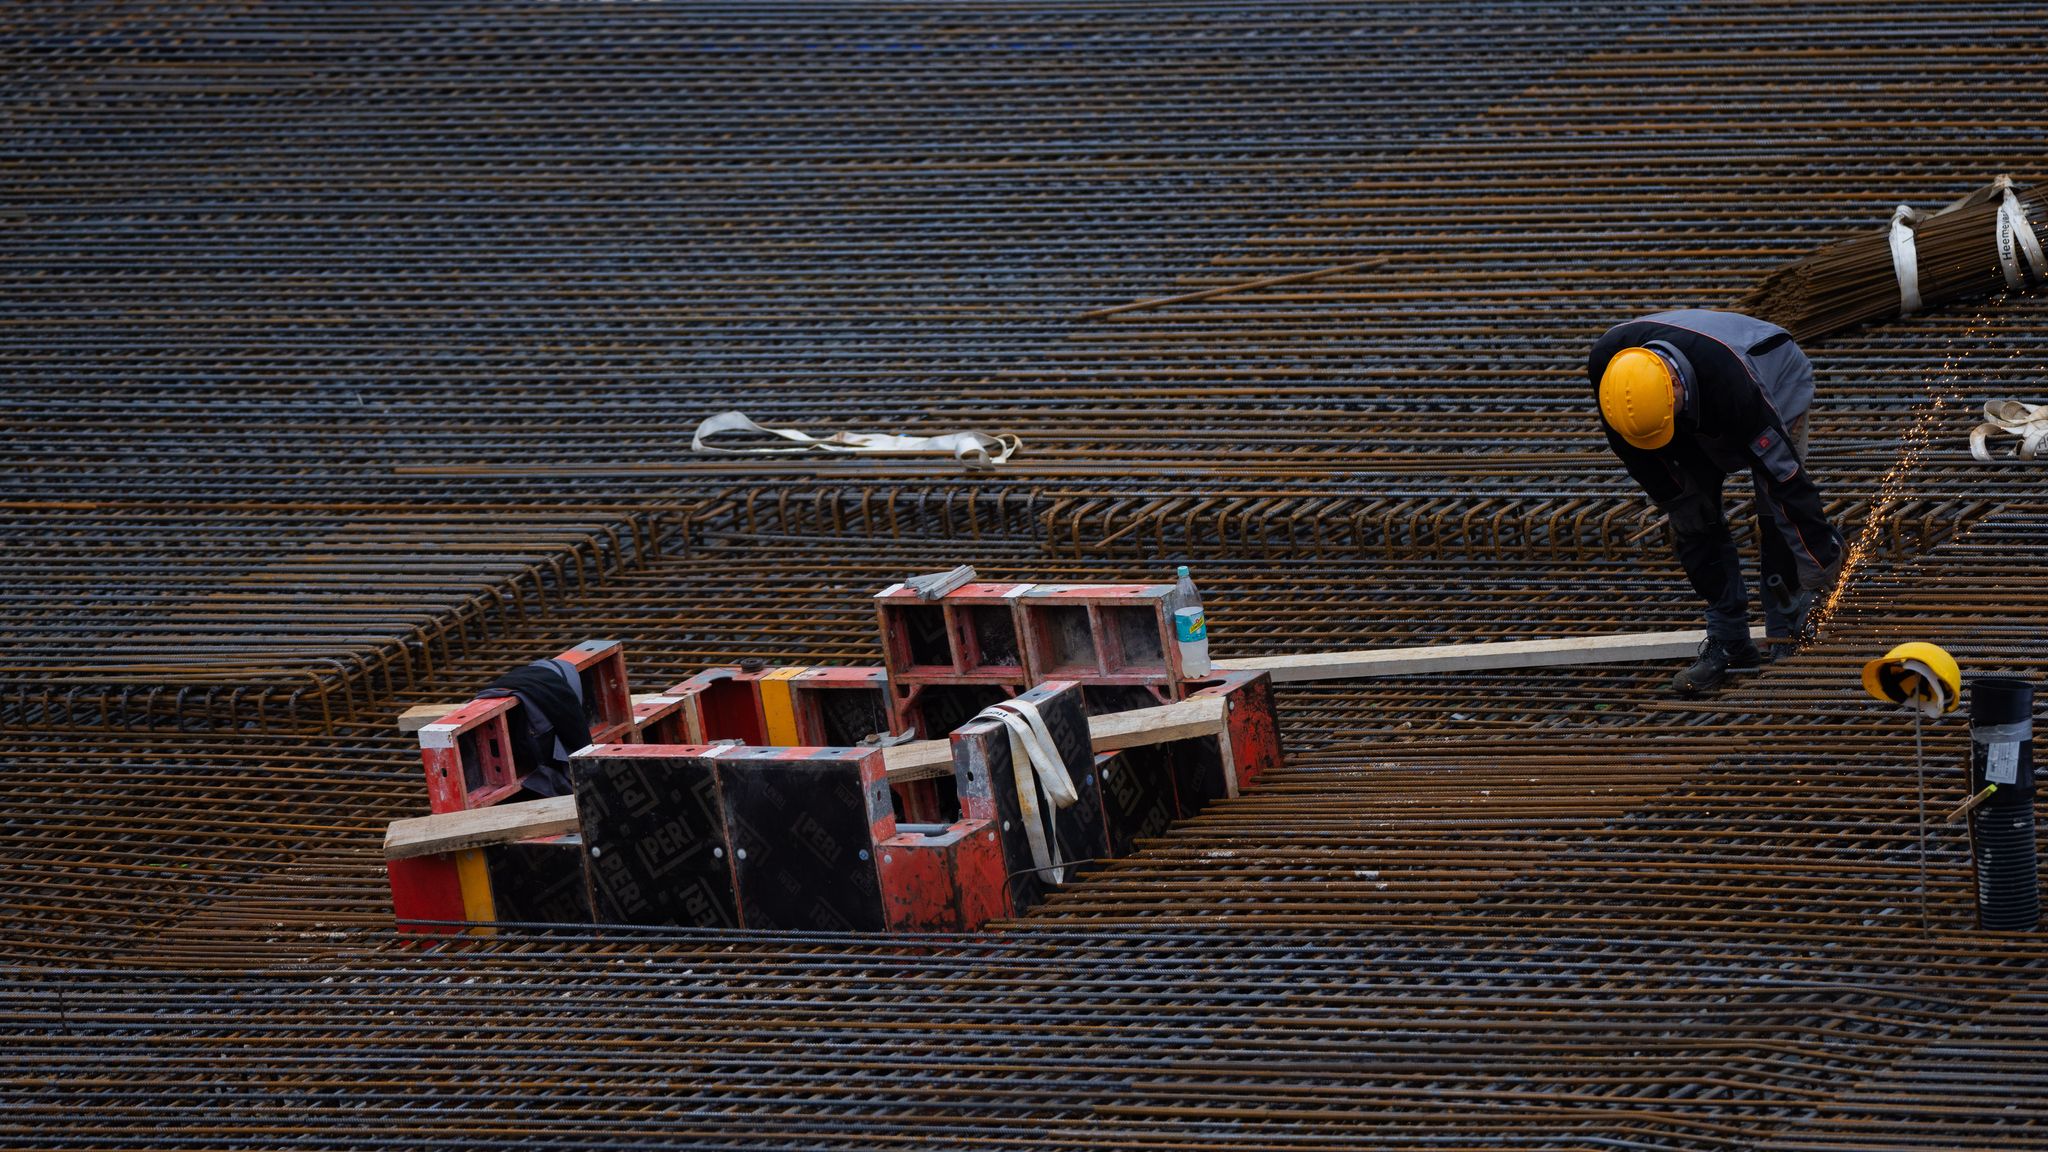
(1706, 549)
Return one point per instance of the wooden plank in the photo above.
(1412, 661)
(476, 827)
(1182, 721)
(919, 760)
(1187, 720)
(420, 715)
(1423, 659)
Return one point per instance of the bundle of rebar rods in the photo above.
(1986, 243)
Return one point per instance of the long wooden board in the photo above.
(1427, 658)
(1186, 720)
(420, 715)
(499, 824)
(1421, 659)
(918, 760)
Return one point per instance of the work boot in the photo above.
(1716, 660)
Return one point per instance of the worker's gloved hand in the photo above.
(1789, 614)
(1832, 574)
(1804, 627)
(1790, 610)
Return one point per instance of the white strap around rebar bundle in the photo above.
(1906, 258)
(1042, 781)
(2029, 422)
(977, 448)
(2019, 251)
(2016, 239)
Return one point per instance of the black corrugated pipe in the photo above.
(2002, 828)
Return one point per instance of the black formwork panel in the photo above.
(803, 826)
(982, 749)
(1137, 789)
(734, 837)
(656, 849)
(539, 881)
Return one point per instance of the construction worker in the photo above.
(1688, 397)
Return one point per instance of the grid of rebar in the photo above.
(352, 355)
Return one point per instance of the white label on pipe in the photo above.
(2002, 763)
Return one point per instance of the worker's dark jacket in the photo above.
(548, 726)
(1747, 385)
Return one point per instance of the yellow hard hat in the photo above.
(1916, 673)
(1639, 397)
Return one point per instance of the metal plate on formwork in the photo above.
(539, 881)
(655, 848)
(803, 837)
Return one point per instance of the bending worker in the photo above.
(1688, 397)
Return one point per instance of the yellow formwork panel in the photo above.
(479, 907)
(778, 707)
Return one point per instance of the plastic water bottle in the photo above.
(1184, 593)
(1190, 626)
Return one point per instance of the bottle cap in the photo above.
(1183, 572)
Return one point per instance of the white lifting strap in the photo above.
(1906, 257)
(975, 447)
(2019, 251)
(2029, 422)
(1041, 773)
(2016, 239)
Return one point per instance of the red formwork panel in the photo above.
(943, 878)
(843, 706)
(917, 886)
(986, 778)
(468, 756)
(933, 711)
(1102, 634)
(980, 886)
(661, 720)
(826, 707)
(537, 881)
(426, 888)
(468, 752)
(981, 880)
(723, 704)
(840, 706)
(1252, 726)
(607, 700)
(968, 635)
(949, 658)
